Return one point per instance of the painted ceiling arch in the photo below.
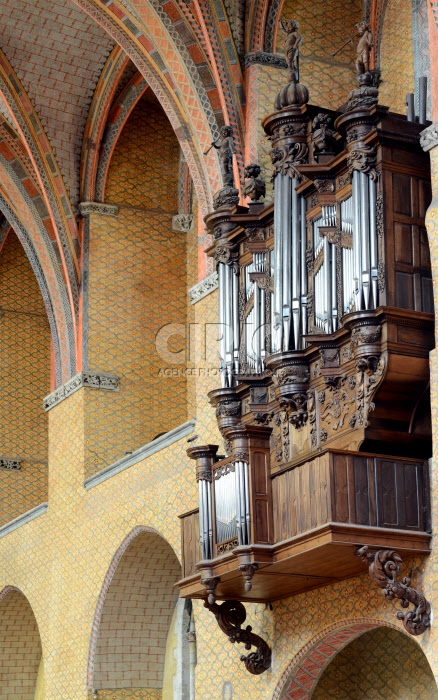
(181, 103)
(24, 209)
(97, 117)
(46, 171)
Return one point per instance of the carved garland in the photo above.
(230, 617)
(384, 569)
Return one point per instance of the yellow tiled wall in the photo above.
(24, 381)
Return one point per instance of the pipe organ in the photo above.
(326, 308)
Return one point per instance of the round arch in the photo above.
(301, 677)
(141, 577)
(20, 672)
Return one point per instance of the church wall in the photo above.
(380, 664)
(24, 381)
(137, 286)
(396, 56)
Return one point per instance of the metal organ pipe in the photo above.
(303, 268)
(289, 265)
(277, 306)
(365, 237)
(222, 339)
(373, 242)
(205, 522)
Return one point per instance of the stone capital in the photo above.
(429, 137)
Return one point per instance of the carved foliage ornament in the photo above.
(230, 617)
(228, 408)
(285, 159)
(363, 158)
(291, 375)
(384, 568)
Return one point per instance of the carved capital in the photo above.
(230, 617)
(228, 408)
(227, 254)
(429, 137)
(248, 571)
(286, 157)
(210, 584)
(182, 222)
(86, 208)
(385, 567)
(363, 158)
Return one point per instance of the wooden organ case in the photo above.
(326, 312)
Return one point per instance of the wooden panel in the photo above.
(425, 195)
(362, 496)
(403, 243)
(404, 290)
(191, 549)
(402, 194)
(341, 491)
(400, 494)
(260, 488)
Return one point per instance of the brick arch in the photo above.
(20, 645)
(47, 173)
(103, 96)
(137, 595)
(188, 118)
(302, 674)
(26, 216)
(117, 118)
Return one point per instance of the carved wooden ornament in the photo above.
(230, 617)
(384, 569)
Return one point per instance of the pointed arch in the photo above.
(117, 119)
(97, 117)
(25, 210)
(47, 173)
(149, 47)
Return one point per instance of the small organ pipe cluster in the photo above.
(325, 301)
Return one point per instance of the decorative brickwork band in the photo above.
(206, 286)
(9, 463)
(98, 208)
(92, 380)
(429, 137)
(262, 58)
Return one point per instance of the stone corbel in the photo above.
(385, 567)
(230, 617)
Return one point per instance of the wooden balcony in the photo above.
(322, 510)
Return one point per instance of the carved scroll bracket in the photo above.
(230, 617)
(384, 568)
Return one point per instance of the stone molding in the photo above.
(23, 519)
(429, 137)
(182, 222)
(204, 287)
(87, 379)
(262, 58)
(10, 463)
(98, 208)
(146, 451)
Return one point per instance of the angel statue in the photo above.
(225, 146)
(291, 45)
(364, 47)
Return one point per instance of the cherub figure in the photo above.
(364, 46)
(225, 146)
(291, 45)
